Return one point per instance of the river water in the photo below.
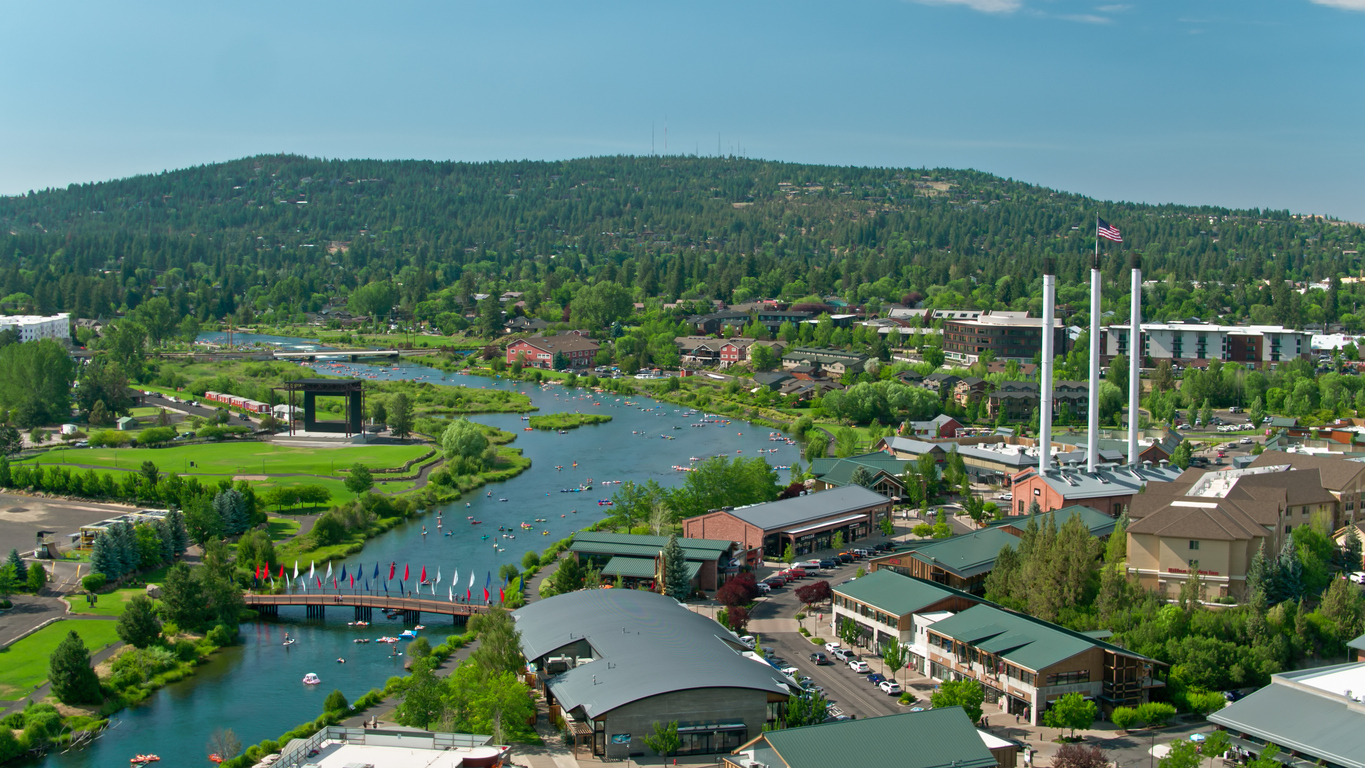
(255, 688)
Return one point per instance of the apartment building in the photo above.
(1006, 335)
(37, 327)
(1200, 343)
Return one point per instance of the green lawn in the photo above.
(337, 487)
(241, 458)
(110, 604)
(23, 665)
(281, 528)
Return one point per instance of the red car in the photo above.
(796, 573)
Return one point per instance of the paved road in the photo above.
(21, 517)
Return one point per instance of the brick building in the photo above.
(539, 351)
(806, 523)
(1006, 335)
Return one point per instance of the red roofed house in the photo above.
(539, 351)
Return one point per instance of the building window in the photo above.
(1069, 678)
(1194, 545)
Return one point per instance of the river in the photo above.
(255, 688)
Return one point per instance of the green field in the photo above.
(241, 458)
(281, 528)
(23, 665)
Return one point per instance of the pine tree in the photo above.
(125, 550)
(180, 536)
(1351, 549)
(1260, 576)
(20, 567)
(73, 680)
(138, 626)
(1289, 576)
(676, 583)
(232, 509)
(102, 557)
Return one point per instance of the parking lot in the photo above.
(848, 690)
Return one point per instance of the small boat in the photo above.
(215, 758)
(387, 640)
(361, 640)
(143, 759)
(544, 533)
(502, 499)
(288, 642)
(419, 627)
(484, 536)
(476, 522)
(407, 634)
(311, 679)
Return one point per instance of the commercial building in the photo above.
(1201, 343)
(997, 457)
(540, 351)
(964, 562)
(613, 662)
(339, 746)
(1342, 477)
(37, 327)
(806, 523)
(1017, 400)
(1005, 335)
(638, 560)
(1109, 489)
(1316, 717)
(1022, 663)
(936, 738)
(883, 473)
(1213, 523)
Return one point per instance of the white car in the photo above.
(1007, 497)
(831, 647)
(764, 588)
(889, 687)
(791, 672)
(860, 667)
(1358, 577)
(748, 640)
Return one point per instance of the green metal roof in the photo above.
(968, 555)
(1099, 523)
(631, 545)
(935, 738)
(1026, 641)
(893, 593)
(629, 568)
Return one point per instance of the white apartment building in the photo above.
(36, 327)
(1199, 343)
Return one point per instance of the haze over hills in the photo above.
(287, 232)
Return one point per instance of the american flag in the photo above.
(1108, 231)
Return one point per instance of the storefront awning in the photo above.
(828, 524)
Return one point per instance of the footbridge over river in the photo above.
(364, 605)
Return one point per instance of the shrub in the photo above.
(1124, 717)
(94, 582)
(1156, 713)
(185, 650)
(336, 701)
(220, 636)
(156, 436)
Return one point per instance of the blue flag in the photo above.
(376, 572)
(386, 587)
(342, 577)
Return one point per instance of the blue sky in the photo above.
(1226, 102)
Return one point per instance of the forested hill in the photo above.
(288, 232)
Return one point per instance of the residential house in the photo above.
(970, 390)
(836, 362)
(941, 426)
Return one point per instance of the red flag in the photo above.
(468, 594)
(502, 597)
(485, 593)
(405, 571)
(319, 582)
(258, 573)
(334, 583)
(281, 570)
(424, 573)
(353, 581)
(392, 568)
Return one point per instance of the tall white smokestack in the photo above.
(1135, 357)
(1045, 382)
(1092, 451)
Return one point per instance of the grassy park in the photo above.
(23, 665)
(109, 603)
(247, 458)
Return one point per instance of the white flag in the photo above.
(471, 580)
(456, 578)
(450, 593)
(296, 569)
(329, 571)
(311, 565)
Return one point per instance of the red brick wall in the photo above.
(724, 526)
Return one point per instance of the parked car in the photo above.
(748, 640)
(890, 687)
(790, 671)
(820, 659)
(1007, 496)
(763, 588)
(835, 712)
(829, 563)
(831, 647)
(876, 678)
(1233, 695)
(884, 546)
(843, 654)
(860, 667)
(796, 573)
(844, 557)
(1358, 577)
